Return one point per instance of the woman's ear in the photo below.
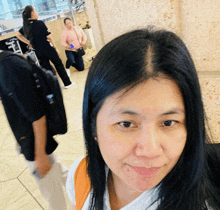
(31, 17)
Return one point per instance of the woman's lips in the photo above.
(145, 171)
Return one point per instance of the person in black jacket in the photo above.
(36, 34)
(25, 111)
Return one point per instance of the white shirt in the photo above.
(140, 203)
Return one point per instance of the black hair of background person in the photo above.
(122, 63)
(67, 18)
(26, 15)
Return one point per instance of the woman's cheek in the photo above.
(115, 142)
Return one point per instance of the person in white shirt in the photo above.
(144, 128)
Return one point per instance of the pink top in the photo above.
(76, 37)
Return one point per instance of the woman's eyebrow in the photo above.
(124, 111)
(175, 110)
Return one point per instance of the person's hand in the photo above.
(68, 48)
(83, 45)
(30, 46)
(43, 164)
(58, 52)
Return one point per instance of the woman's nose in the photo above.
(149, 143)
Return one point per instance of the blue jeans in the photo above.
(74, 60)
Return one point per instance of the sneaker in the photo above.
(69, 86)
(68, 72)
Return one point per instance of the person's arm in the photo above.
(23, 39)
(64, 42)
(50, 39)
(42, 162)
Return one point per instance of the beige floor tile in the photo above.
(9, 142)
(29, 182)
(11, 166)
(9, 145)
(3, 134)
(74, 126)
(71, 143)
(14, 196)
(3, 119)
(68, 159)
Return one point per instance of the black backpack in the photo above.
(49, 87)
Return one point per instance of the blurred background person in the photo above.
(26, 113)
(36, 34)
(72, 39)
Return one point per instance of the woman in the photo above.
(36, 34)
(144, 129)
(72, 39)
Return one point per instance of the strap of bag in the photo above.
(82, 184)
(4, 54)
(77, 35)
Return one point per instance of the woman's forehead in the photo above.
(68, 21)
(158, 95)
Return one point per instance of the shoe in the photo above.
(69, 86)
(68, 72)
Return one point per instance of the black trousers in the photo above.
(50, 54)
(74, 60)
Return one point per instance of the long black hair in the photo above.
(26, 15)
(125, 62)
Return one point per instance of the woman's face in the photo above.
(69, 24)
(142, 134)
(34, 14)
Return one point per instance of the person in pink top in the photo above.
(73, 38)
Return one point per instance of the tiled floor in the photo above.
(18, 189)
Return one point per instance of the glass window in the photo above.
(11, 11)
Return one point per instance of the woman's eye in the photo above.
(168, 123)
(126, 124)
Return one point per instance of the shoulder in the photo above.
(13, 62)
(13, 70)
(70, 180)
(40, 22)
(212, 152)
(78, 28)
(21, 30)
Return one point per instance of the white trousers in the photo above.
(51, 185)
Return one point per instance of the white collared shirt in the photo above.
(140, 203)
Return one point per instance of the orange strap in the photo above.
(82, 184)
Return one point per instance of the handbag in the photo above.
(80, 51)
